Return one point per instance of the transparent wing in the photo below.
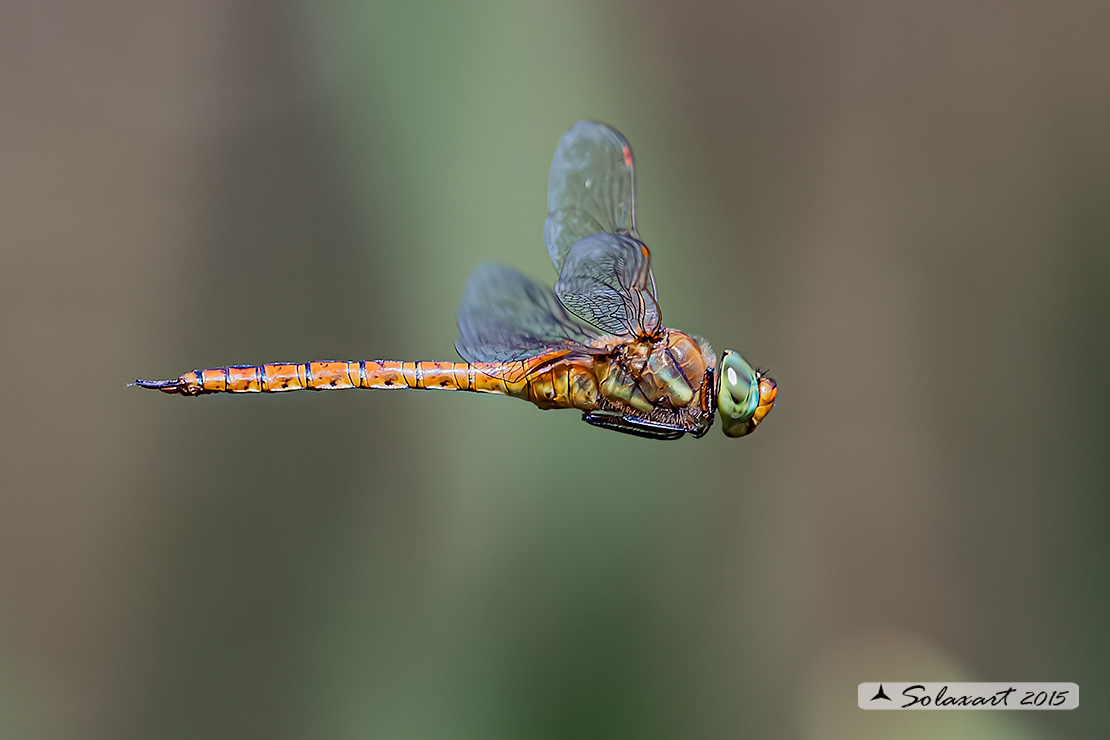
(606, 281)
(505, 316)
(591, 188)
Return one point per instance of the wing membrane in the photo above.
(591, 188)
(606, 281)
(505, 316)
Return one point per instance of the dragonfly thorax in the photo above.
(647, 375)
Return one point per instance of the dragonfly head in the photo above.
(744, 395)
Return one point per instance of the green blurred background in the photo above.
(901, 209)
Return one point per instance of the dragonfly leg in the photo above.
(637, 427)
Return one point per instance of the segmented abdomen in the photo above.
(325, 375)
(557, 385)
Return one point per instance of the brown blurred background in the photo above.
(900, 209)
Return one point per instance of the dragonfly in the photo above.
(594, 342)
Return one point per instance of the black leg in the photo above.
(637, 427)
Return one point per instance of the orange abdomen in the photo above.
(548, 384)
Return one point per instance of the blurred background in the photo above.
(900, 209)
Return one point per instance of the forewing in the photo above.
(591, 188)
(606, 281)
(505, 316)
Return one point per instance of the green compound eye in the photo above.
(740, 394)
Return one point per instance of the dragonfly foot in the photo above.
(633, 426)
